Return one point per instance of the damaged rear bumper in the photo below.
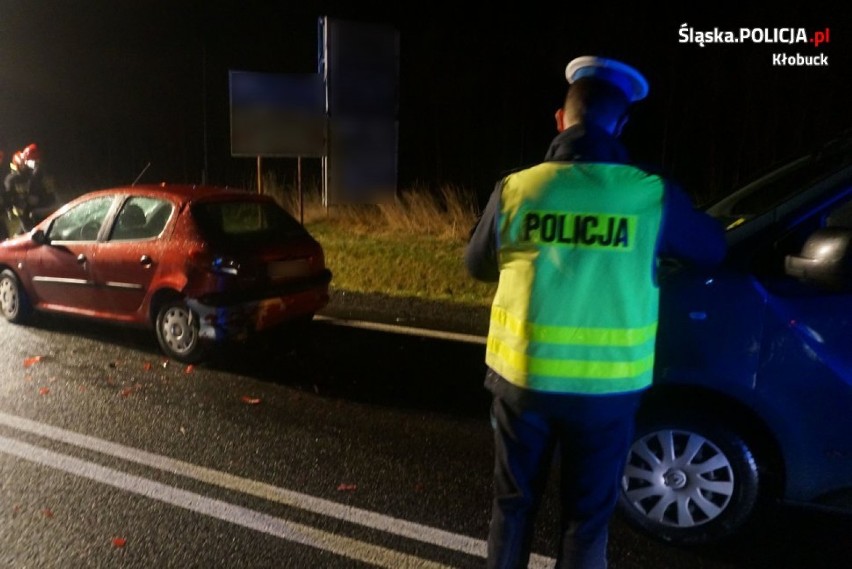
(238, 316)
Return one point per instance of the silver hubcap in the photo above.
(678, 478)
(675, 479)
(179, 330)
(8, 297)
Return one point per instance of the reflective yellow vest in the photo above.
(576, 306)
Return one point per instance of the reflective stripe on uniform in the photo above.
(573, 335)
(568, 376)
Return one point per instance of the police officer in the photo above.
(574, 244)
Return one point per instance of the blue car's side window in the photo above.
(840, 216)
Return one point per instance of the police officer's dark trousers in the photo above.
(592, 435)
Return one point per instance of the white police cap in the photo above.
(626, 78)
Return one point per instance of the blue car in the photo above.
(752, 398)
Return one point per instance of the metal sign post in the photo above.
(299, 185)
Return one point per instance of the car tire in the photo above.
(14, 303)
(689, 481)
(178, 332)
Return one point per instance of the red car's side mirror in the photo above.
(40, 237)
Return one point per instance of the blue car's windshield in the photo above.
(768, 192)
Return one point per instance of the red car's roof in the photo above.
(182, 193)
(178, 190)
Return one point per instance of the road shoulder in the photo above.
(407, 311)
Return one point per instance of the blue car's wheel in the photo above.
(689, 481)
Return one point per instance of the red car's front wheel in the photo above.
(14, 303)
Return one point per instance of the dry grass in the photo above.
(412, 247)
(447, 212)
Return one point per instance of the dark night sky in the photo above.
(105, 86)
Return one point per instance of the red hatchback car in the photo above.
(198, 264)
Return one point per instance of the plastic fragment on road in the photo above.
(250, 400)
(29, 362)
(119, 542)
(130, 389)
(147, 366)
(43, 390)
(343, 487)
(189, 368)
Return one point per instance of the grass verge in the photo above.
(399, 264)
(412, 247)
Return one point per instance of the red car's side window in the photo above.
(82, 222)
(141, 218)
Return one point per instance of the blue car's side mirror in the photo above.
(825, 260)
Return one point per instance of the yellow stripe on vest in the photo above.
(570, 335)
(603, 370)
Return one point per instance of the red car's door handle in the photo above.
(81, 258)
(146, 261)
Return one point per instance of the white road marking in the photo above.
(258, 521)
(396, 329)
(366, 518)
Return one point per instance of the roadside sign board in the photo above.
(277, 115)
(360, 63)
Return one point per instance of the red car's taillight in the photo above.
(217, 264)
(225, 265)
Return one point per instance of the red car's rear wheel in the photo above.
(178, 332)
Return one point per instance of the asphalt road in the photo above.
(359, 448)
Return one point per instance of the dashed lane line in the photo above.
(373, 520)
(258, 521)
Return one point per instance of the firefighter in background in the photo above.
(25, 198)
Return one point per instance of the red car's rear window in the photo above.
(244, 220)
